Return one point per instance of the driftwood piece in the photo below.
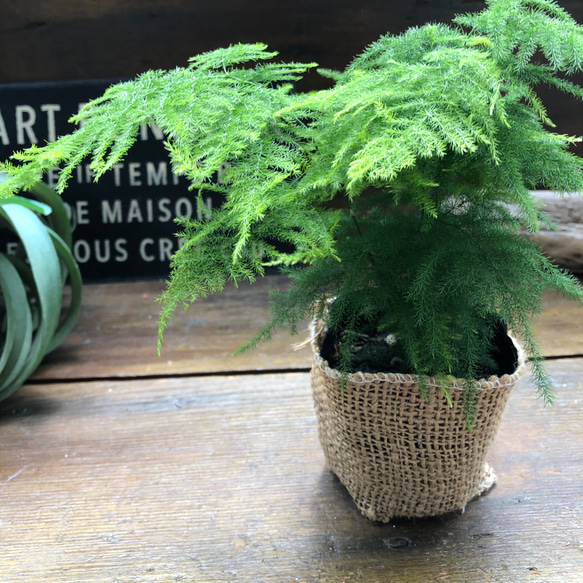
(565, 245)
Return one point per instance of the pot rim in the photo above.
(361, 378)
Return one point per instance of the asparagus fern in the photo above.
(400, 191)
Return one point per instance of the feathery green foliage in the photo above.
(400, 191)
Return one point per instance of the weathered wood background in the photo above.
(53, 40)
(58, 40)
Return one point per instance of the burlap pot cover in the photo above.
(397, 454)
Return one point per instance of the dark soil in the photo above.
(374, 354)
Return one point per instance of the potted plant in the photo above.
(32, 281)
(395, 201)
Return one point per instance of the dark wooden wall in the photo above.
(78, 39)
(53, 40)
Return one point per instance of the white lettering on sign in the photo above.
(82, 212)
(133, 174)
(82, 251)
(162, 210)
(165, 249)
(25, 120)
(156, 176)
(109, 213)
(78, 213)
(155, 129)
(183, 208)
(50, 109)
(165, 212)
(102, 250)
(157, 250)
(29, 119)
(3, 133)
(120, 250)
(144, 247)
(134, 212)
(116, 173)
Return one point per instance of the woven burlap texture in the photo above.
(397, 454)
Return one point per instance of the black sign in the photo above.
(124, 224)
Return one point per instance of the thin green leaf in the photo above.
(45, 267)
(19, 317)
(58, 219)
(33, 205)
(76, 283)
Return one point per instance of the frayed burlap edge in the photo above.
(397, 454)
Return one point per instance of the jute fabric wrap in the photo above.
(397, 454)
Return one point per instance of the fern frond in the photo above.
(518, 28)
(225, 58)
(401, 191)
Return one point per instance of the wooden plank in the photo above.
(61, 39)
(223, 479)
(559, 329)
(80, 40)
(116, 334)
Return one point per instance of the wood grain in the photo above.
(223, 479)
(86, 39)
(559, 329)
(116, 332)
(79, 40)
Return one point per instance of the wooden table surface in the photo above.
(117, 465)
